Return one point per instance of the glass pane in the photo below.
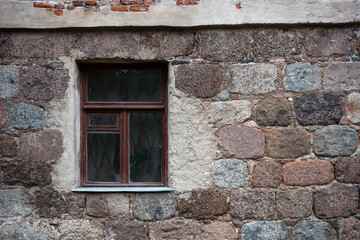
(145, 147)
(124, 85)
(103, 120)
(103, 151)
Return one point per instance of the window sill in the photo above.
(122, 189)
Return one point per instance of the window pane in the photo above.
(124, 85)
(103, 163)
(145, 147)
(103, 120)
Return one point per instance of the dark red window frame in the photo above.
(122, 109)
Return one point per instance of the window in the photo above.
(124, 124)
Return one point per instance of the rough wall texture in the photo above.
(237, 168)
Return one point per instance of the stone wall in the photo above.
(264, 128)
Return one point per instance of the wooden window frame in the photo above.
(122, 110)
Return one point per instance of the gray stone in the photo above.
(295, 203)
(353, 108)
(274, 230)
(318, 109)
(313, 229)
(9, 81)
(175, 229)
(154, 206)
(223, 95)
(342, 77)
(25, 116)
(334, 141)
(302, 77)
(252, 79)
(13, 232)
(14, 203)
(230, 173)
(273, 112)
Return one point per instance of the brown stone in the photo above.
(266, 175)
(241, 142)
(41, 146)
(347, 170)
(3, 115)
(220, 231)
(175, 229)
(273, 112)
(306, 173)
(96, 205)
(125, 229)
(199, 80)
(351, 229)
(294, 203)
(27, 173)
(8, 146)
(252, 204)
(287, 142)
(336, 201)
(203, 204)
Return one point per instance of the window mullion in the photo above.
(124, 162)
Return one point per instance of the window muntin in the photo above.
(124, 138)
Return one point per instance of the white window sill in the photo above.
(122, 189)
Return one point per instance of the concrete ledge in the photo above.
(122, 189)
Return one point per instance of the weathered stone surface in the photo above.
(353, 108)
(342, 77)
(302, 77)
(294, 203)
(96, 205)
(43, 84)
(336, 201)
(14, 203)
(351, 229)
(313, 229)
(318, 109)
(241, 142)
(334, 141)
(3, 115)
(9, 82)
(220, 231)
(26, 116)
(273, 112)
(306, 173)
(228, 113)
(8, 146)
(103, 205)
(266, 175)
(27, 173)
(347, 170)
(41, 146)
(125, 229)
(252, 79)
(13, 232)
(287, 142)
(230, 173)
(175, 229)
(118, 204)
(199, 80)
(252, 204)
(154, 206)
(80, 229)
(203, 204)
(223, 95)
(266, 230)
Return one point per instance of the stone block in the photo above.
(104, 205)
(241, 142)
(351, 229)
(175, 229)
(334, 141)
(199, 80)
(154, 206)
(14, 203)
(9, 82)
(273, 112)
(265, 230)
(287, 142)
(341, 77)
(96, 205)
(220, 231)
(42, 145)
(229, 112)
(347, 170)
(3, 115)
(203, 204)
(353, 108)
(25, 116)
(230, 173)
(302, 77)
(8, 146)
(336, 201)
(252, 204)
(306, 173)
(126, 229)
(252, 79)
(294, 203)
(313, 229)
(118, 204)
(12, 231)
(266, 174)
(80, 229)
(318, 109)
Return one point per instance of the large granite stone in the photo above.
(340, 77)
(8, 146)
(230, 173)
(25, 116)
(14, 203)
(313, 229)
(126, 229)
(154, 206)
(266, 230)
(302, 77)
(353, 108)
(266, 174)
(294, 203)
(12, 231)
(219, 231)
(347, 170)
(9, 82)
(175, 229)
(273, 112)
(351, 229)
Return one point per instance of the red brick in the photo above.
(186, 2)
(132, 2)
(238, 6)
(59, 6)
(70, 8)
(78, 3)
(91, 3)
(139, 8)
(148, 2)
(120, 8)
(58, 12)
(43, 5)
